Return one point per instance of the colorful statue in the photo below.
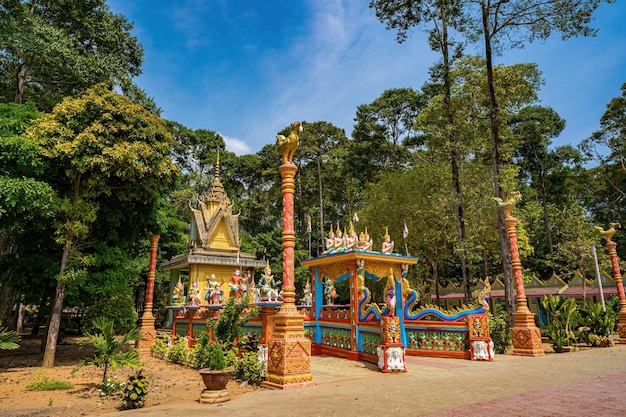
(508, 205)
(214, 294)
(267, 285)
(339, 242)
(329, 292)
(350, 240)
(307, 300)
(369, 244)
(193, 297)
(287, 146)
(390, 293)
(330, 242)
(387, 243)
(178, 297)
(237, 285)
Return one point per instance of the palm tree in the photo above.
(8, 339)
(109, 352)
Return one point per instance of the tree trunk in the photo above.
(55, 315)
(494, 117)
(454, 155)
(320, 246)
(20, 82)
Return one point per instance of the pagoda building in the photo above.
(214, 257)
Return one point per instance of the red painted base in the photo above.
(621, 329)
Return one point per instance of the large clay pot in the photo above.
(215, 383)
(214, 380)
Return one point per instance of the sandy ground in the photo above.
(169, 383)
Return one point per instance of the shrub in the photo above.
(158, 348)
(562, 313)
(249, 368)
(230, 323)
(179, 352)
(500, 330)
(201, 352)
(596, 325)
(8, 339)
(135, 391)
(217, 362)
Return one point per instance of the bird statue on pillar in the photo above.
(508, 205)
(608, 234)
(287, 145)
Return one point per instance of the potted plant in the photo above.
(209, 358)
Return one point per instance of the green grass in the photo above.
(44, 383)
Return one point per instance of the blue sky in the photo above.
(249, 68)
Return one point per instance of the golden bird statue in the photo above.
(508, 205)
(608, 234)
(287, 145)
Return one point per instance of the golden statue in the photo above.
(508, 205)
(287, 145)
(608, 234)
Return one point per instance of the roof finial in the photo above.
(217, 166)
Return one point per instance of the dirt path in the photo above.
(169, 383)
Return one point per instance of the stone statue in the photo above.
(287, 146)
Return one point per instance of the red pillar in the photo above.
(617, 275)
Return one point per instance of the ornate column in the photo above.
(289, 351)
(617, 275)
(147, 319)
(526, 335)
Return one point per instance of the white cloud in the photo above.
(238, 146)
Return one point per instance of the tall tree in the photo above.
(102, 145)
(535, 127)
(444, 18)
(52, 49)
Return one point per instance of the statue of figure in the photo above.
(387, 243)
(330, 242)
(329, 292)
(287, 145)
(360, 245)
(350, 239)
(390, 293)
(369, 244)
(267, 285)
(251, 286)
(307, 300)
(339, 242)
(237, 285)
(214, 294)
(193, 297)
(178, 297)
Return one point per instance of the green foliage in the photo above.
(249, 368)
(158, 348)
(229, 325)
(179, 352)
(217, 361)
(43, 382)
(110, 353)
(596, 325)
(8, 339)
(499, 330)
(117, 308)
(135, 392)
(201, 351)
(561, 313)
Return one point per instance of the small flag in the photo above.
(355, 218)
(405, 232)
(308, 223)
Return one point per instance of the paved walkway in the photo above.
(590, 382)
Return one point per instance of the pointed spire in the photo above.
(217, 166)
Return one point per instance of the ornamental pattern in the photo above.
(336, 337)
(437, 340)
(369, 342)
